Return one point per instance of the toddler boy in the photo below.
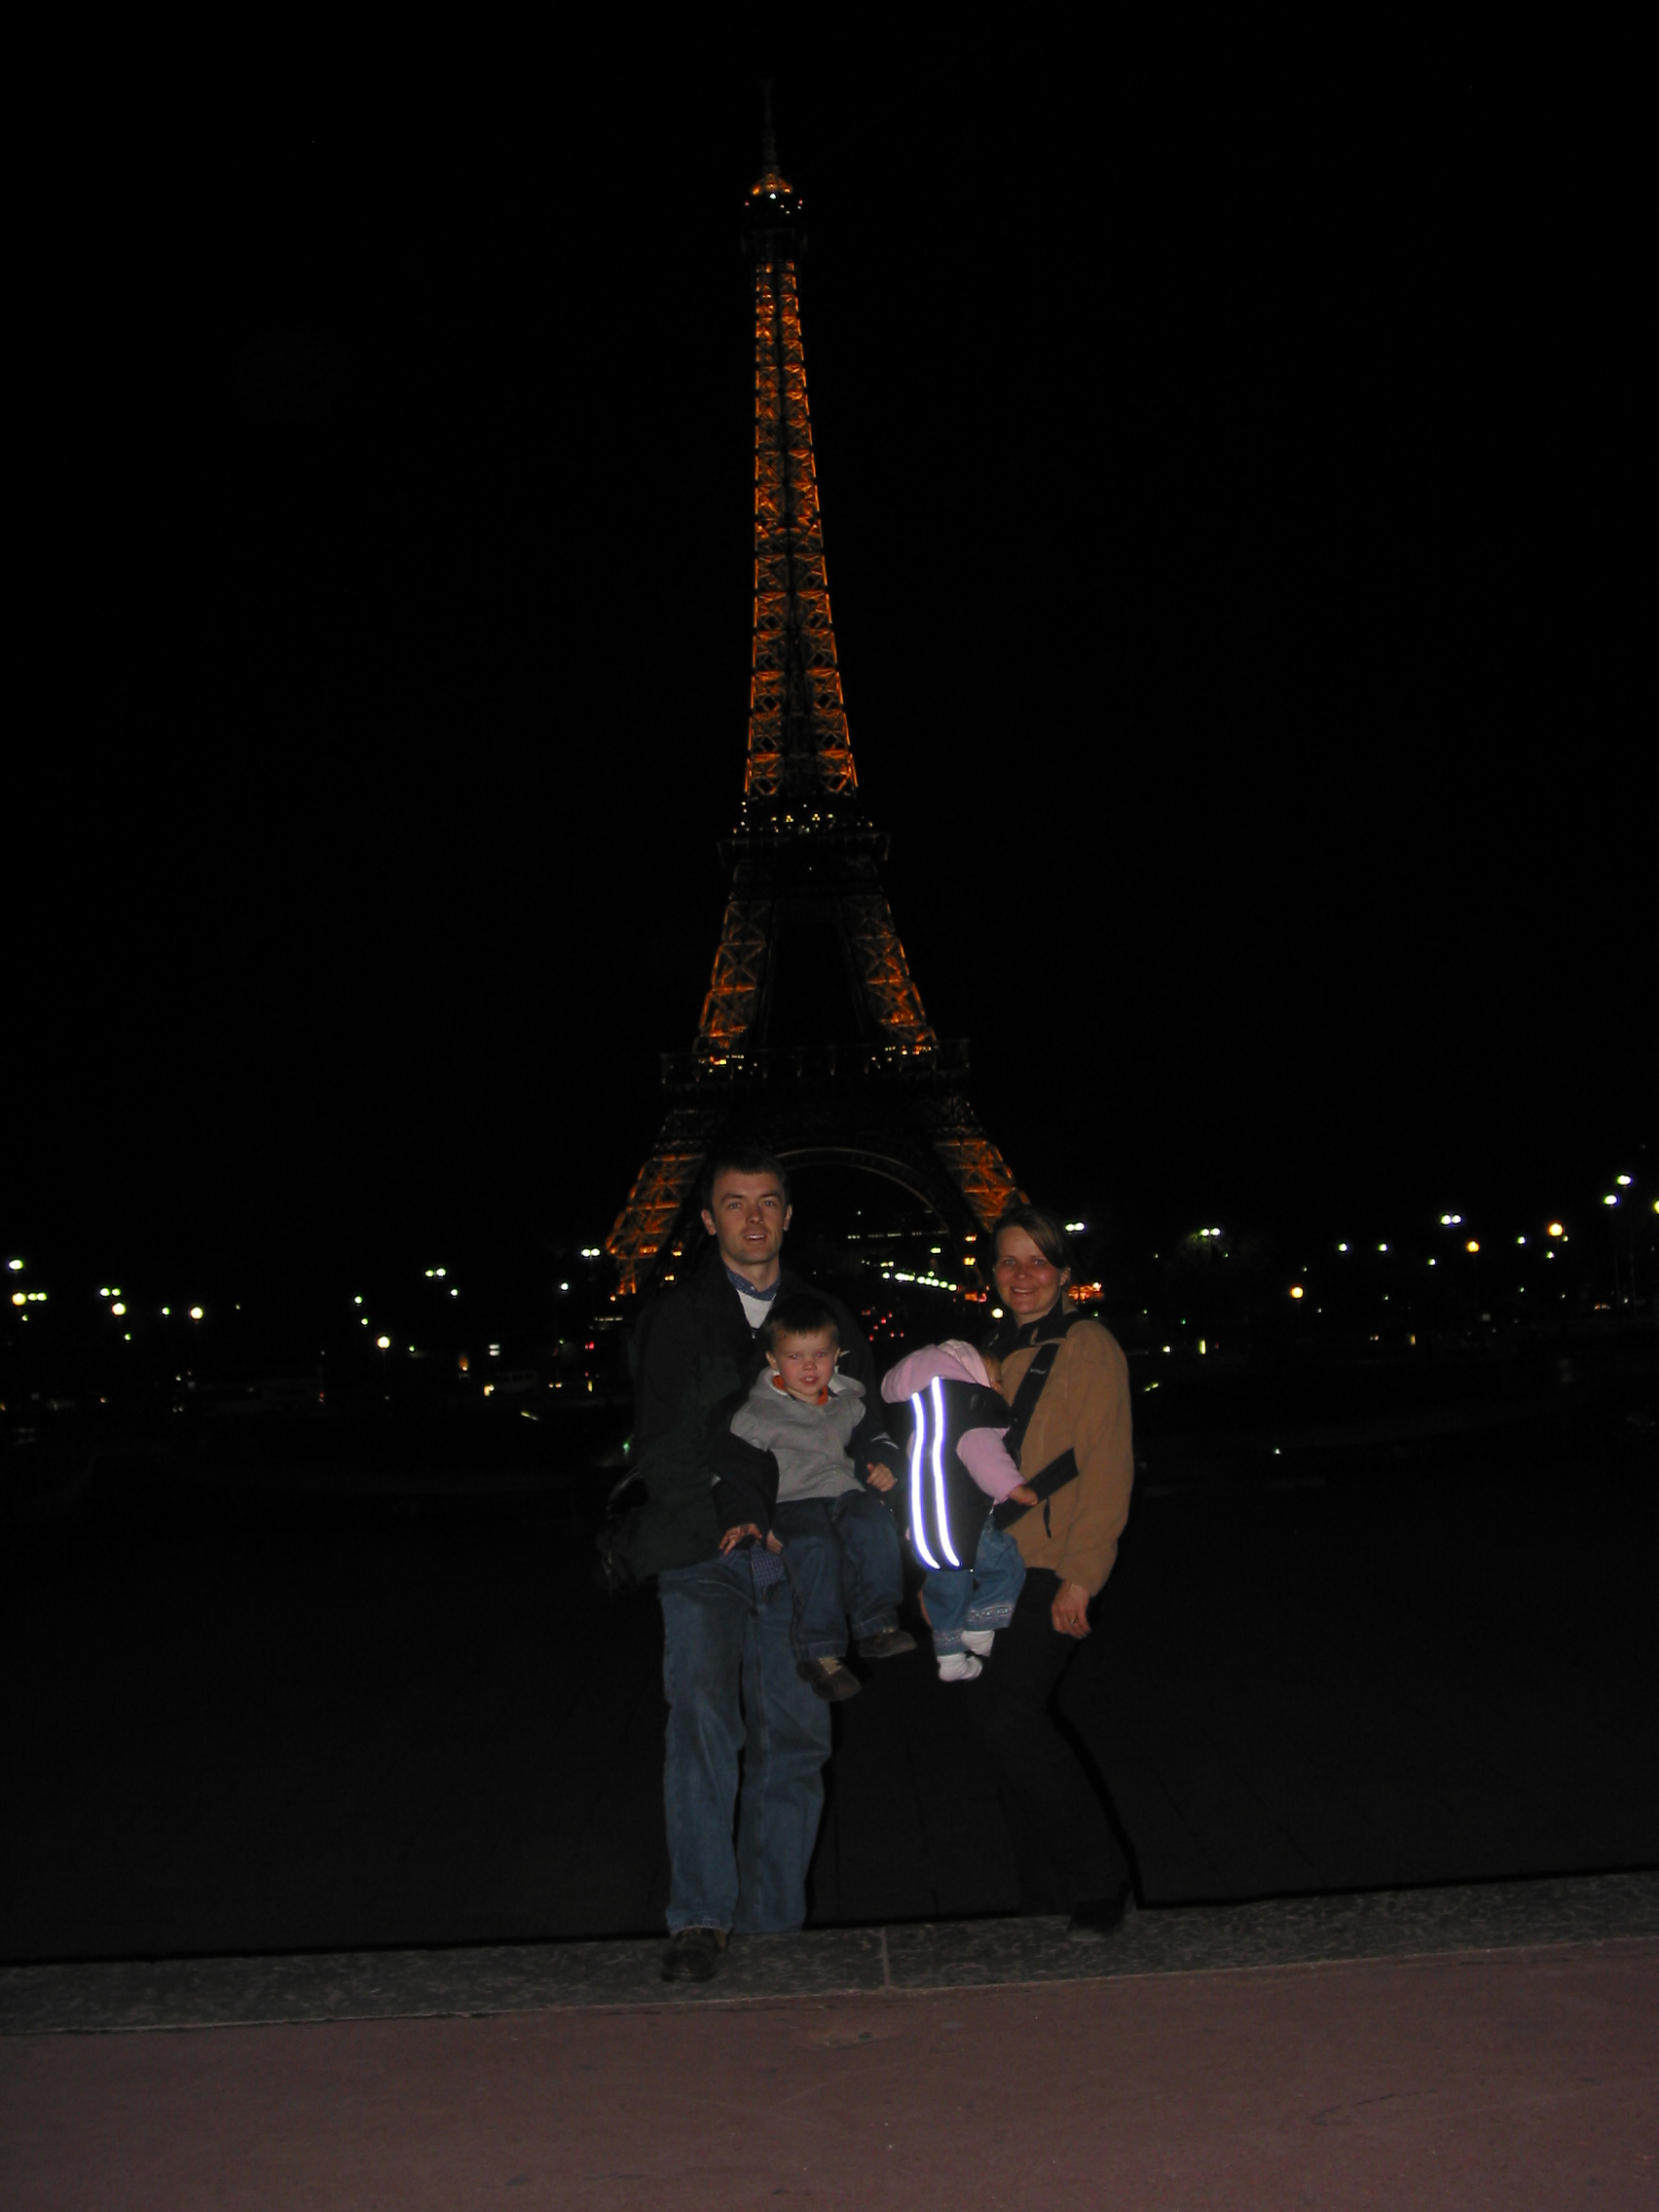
(807, 1458)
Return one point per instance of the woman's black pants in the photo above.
(1056, 1810)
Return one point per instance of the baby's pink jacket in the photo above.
(980, 1449)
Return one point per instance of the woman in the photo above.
(1070, 1857)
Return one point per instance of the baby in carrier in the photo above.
(958, 1472)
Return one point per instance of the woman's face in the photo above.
(1027, 1284)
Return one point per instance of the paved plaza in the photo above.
(1449, 2050)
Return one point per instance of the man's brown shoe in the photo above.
(692, 1954)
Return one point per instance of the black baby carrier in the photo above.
(947, 1507)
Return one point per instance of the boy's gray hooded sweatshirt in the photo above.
(808, 1442)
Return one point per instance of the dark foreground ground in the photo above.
(285, 1721)
(1450, 2050)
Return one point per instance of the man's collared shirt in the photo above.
(756, 1304)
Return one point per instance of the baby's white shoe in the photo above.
(958, 1667)
(978, 1640)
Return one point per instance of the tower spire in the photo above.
(768, 143)
(801, 758)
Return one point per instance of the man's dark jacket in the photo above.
(693, 1348)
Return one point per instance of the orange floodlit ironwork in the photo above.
(803, 853)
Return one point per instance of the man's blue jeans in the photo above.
(844, 1563)
(729, 1675)
(980, 1596)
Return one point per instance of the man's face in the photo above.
(803, 1365)
(746, 1217)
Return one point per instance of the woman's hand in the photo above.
(1069, 1611)
(1022, 1493)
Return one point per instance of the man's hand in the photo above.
(1069, 1611)
(734, 1537)
(881, 1478)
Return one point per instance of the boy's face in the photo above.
(803, 1365)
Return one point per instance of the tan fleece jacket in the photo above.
(1085, 1405)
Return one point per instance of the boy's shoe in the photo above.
(886, 1643)
(692, 1954)
(830, 1680)
(958, 1667)
(979, 1641)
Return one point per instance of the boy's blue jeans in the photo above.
(977, 1597)
(844, 1563)
(729, 1676)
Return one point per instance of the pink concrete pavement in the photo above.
(1519, 2079)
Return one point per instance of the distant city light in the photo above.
(1296, 1290)
(1382, 1248)
(19, 1298)
(495, 1352)
(165, 1311)
(195, 1313)
(590, 1252)
(1450, 1220)
(385, 1342)
(107, 1294)
(1623, 1182)
(16, 1266)
(1072, 1228)
(454, 1293)
(1342, 1247)
(1520, 1241)
(1556, 1229)
(357, 1302)
(565, 1286)
(1471, 1245)
(1612, 1199)
(996, 1313)
(118, 1308)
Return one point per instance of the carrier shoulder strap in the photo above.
(1031, 1387)
(1059, 1471)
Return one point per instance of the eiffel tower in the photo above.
(813, 1038)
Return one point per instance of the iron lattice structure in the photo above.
(886, 1095)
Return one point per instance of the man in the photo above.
(728, 1666)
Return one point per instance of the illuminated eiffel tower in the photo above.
(813, 1039)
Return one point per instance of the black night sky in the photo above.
(1230, 512)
